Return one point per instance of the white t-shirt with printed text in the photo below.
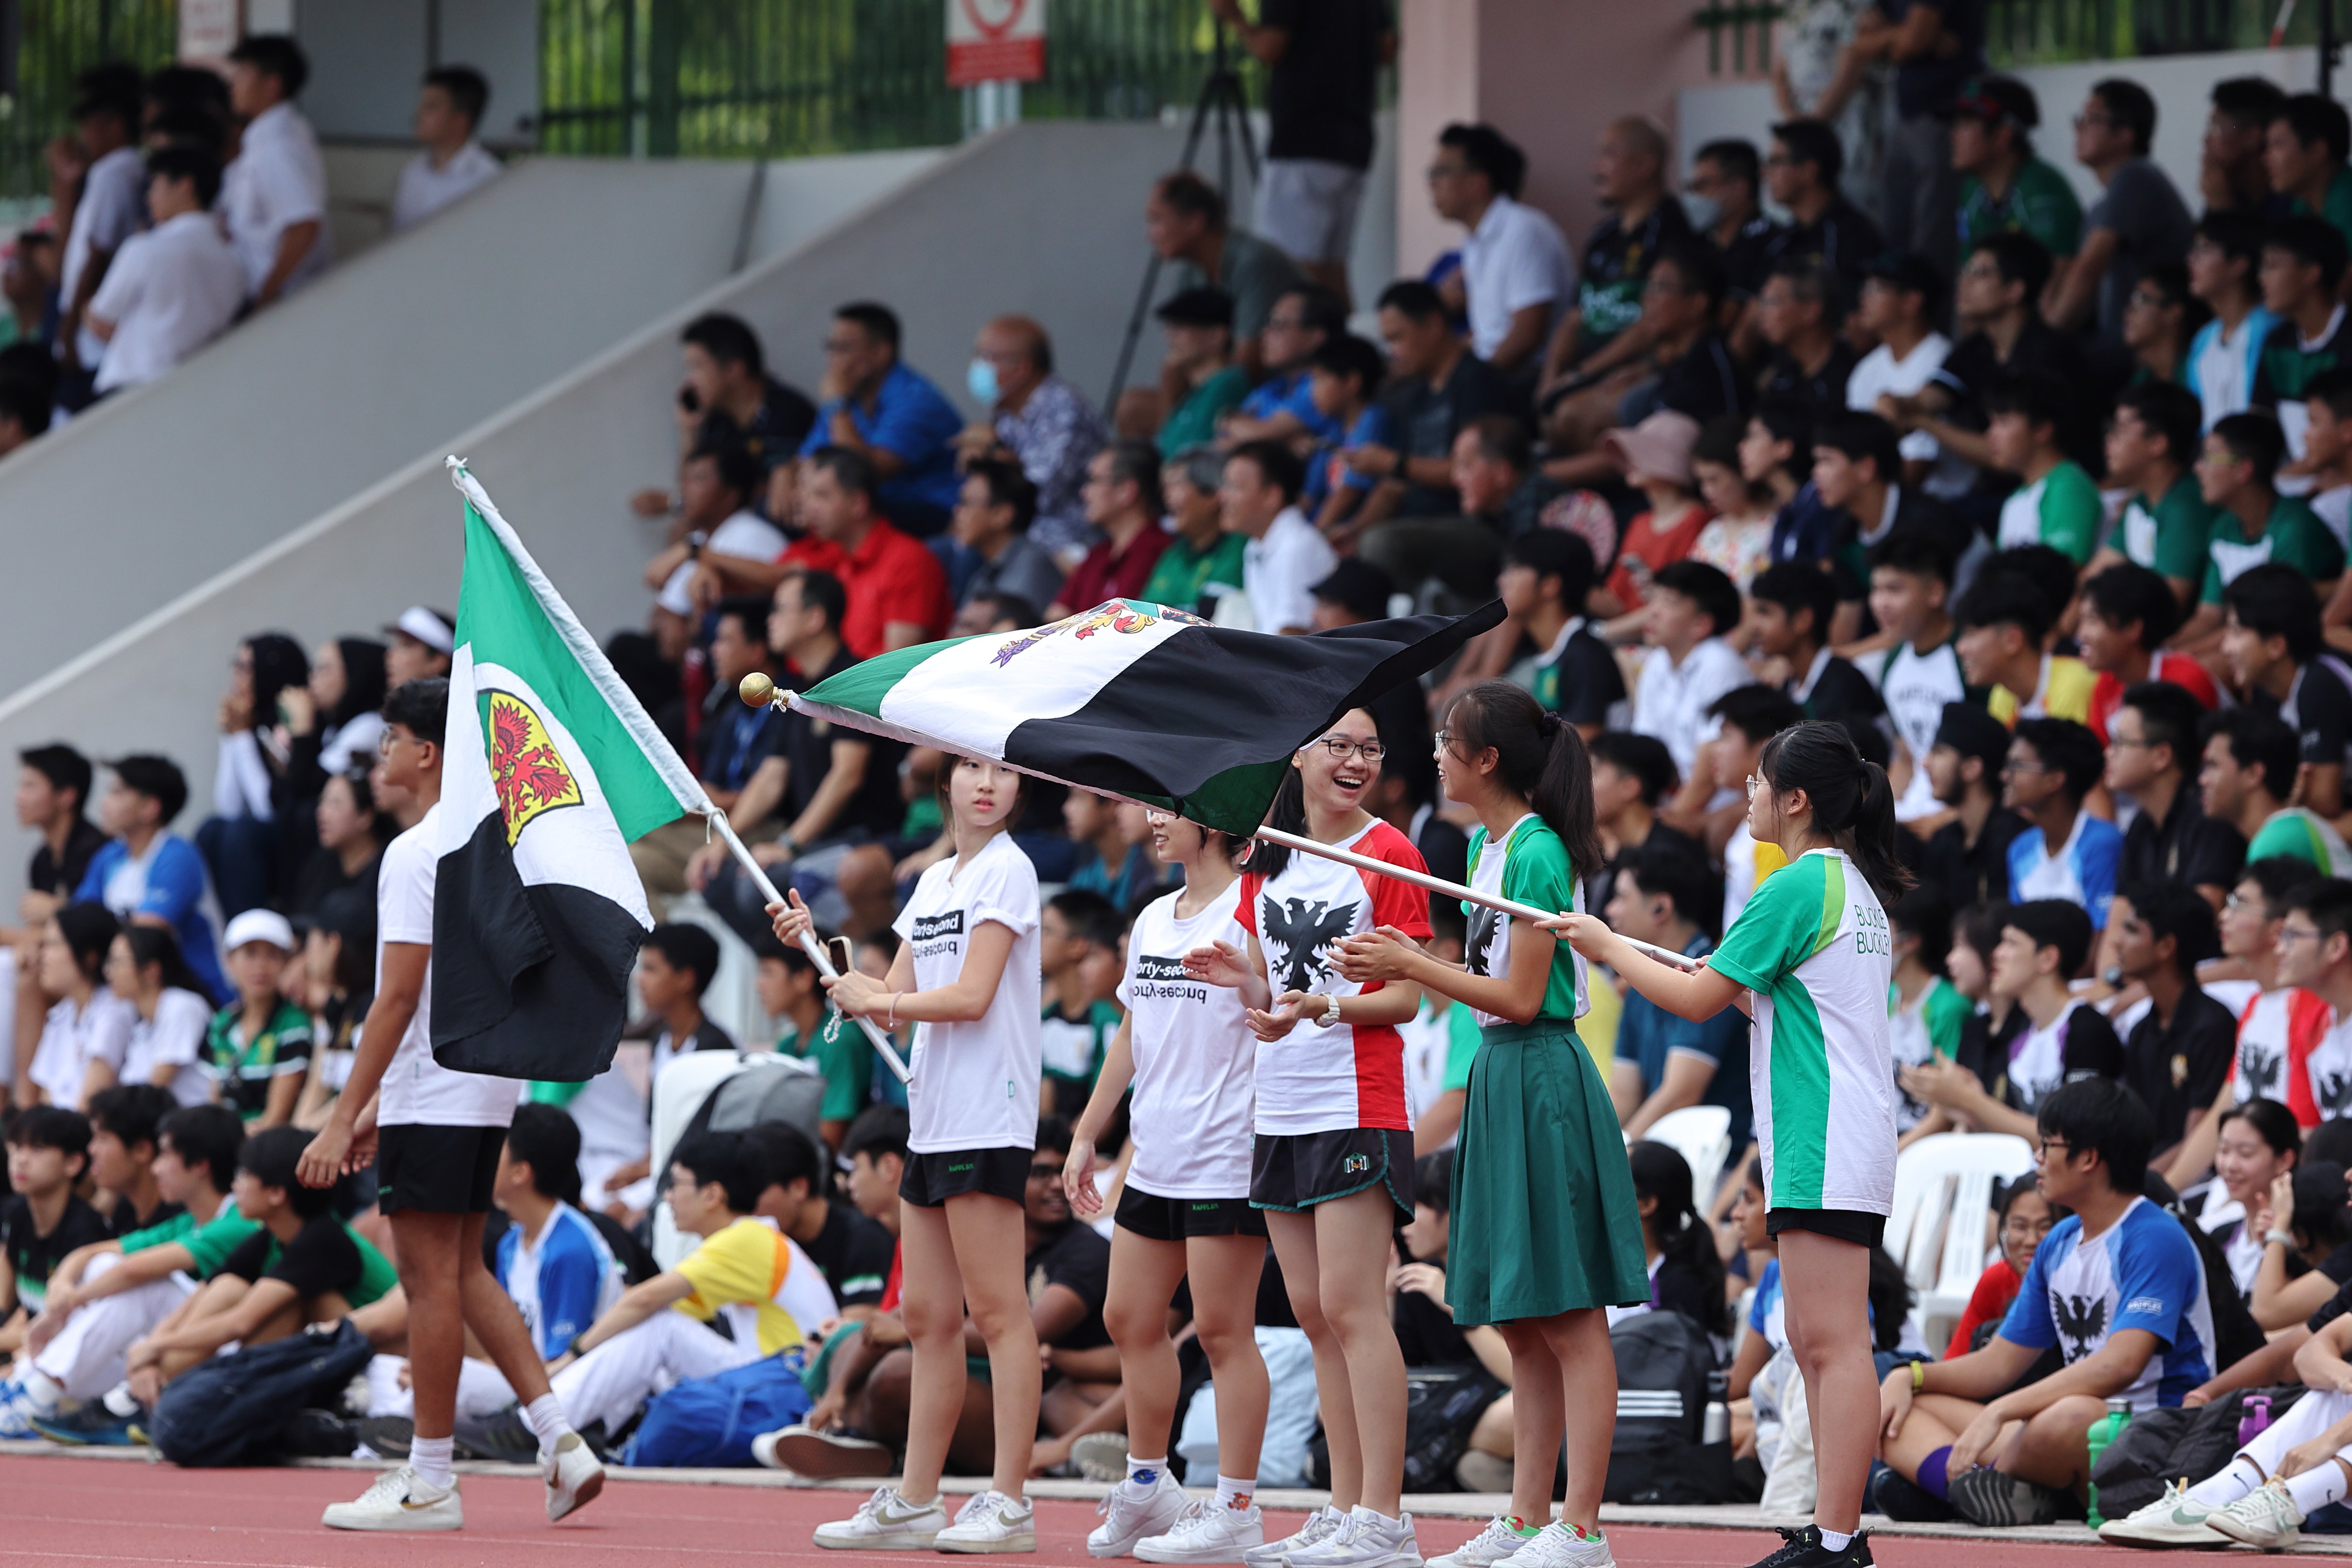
(1194, 1110)
(975, 1085)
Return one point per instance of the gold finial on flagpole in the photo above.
(758, 690)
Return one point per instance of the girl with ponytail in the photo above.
(1809, 959)
(1686, 1270)
(1545, 1233)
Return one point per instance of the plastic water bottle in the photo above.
(1718, 1424)
(2253, 1416)
(2103, 1431)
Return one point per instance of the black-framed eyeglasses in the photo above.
(2058, 1145)
(1341, 749)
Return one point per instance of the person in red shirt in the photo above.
(898, 589)
(1122, 500)
(2026, 1218)
(2128, 612)
(1655, 456)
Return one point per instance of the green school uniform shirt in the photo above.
(2337, 208)
(2040, 202)
(2306, 836)
(2171, 534)
(1530, 866)
(846, 1061)
(210, 1244)
(1183, 574)
(244, 1073)
(2061, 510)
(1194, 420)
(2294, 535)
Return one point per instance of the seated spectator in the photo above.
(26, 398)
(1199, 381)
(257, 1050)
(2004, 623)
(2272, 646)
(1689, 369)
(123, 1122)
(729, 399)
(1343, 386)
(421, 643)
(240, 841)
(1798, 314)
(351, 836)
(1516, 274)
(788, 990)
(1910, 588)
(144, 967)
(2177, 1056)
(454, 164)
(1629, 176)
(1790, 607)
(2231, 176)
(1656, 460)
(2256, 1142)
(274, 195)
(148, 875)
(1041, 422)
(1547, 576)
(2327, 450)
(2151, 742)
(1283, 556)
(2139, 221)
(2255, 527)
(1742, 720)
(553, 1259)
(734, 741)
(1200, 563)
(1926, 1014)
(95, 180)
(1425, 1330)
(1686, 1271)
(2042, 946)
(723, 545)
(2160, 318)
(898, 591)
(2064, 852)
(851, 1251)
(2125, 614)
(1801, 171)
(2001, 282)
(1664, 894)
(1124, 508)
(2152, 443)
(2302, 274)
(1862, 507)
(2025, 1219)
(995, 520)
(890, 416)
(1502, 494)
(1440, 1044)
(2304, 155)
(171, 289)
(2225, 255)
(1632, 776)
(88, 1028)
(1968, 856)
(43, 1220)
(1306, 321)
(52, 799)
(1356, 591)
(1726, 180)
(1436, 386)
(2244, 750)
(1079, 941)
(2058, 504)
(2319, 920)
(2003, 186)
(1111, 860)
(1690, 608)
(675, 969)
(873, 1156)
(333, 722)
(1186, 222)
(2146, 1343)
(2305, 1260)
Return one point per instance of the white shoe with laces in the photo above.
(2173, 1519)
(2265, 1517)
(1206, 1532)
(885, 1522)
(573, 1476)
(990, 1522)
(1559, 1546)
(1484, 1549)
(1364, 1540)
(399, 1501)
(1320, 1526)
(1128, 1519)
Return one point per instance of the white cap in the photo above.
(260, 925)
(428, 626)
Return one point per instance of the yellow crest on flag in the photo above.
(530, 774)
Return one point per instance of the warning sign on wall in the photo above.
(995, 40)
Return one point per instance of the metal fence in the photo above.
(2044, 32)
(44, 45)
(780, 77)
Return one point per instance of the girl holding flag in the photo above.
(1547, 1231)
(967, 975)
(1810, 956)
(1188, 1050)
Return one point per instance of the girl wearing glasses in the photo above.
(1812, 957)
(1547, 1229)
(1332, 1164)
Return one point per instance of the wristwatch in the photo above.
(1330, 1013)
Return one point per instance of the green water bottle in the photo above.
(2103, 1431)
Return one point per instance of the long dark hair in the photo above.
(1661, 1173)
(89, 929)
(278, 662)
(157, 946)
(1537, 754)
(1890, 1296)
(1854, 805)
(1286, 814)
(364, 681)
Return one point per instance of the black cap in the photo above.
(1993, 99)
(1358, 587)
(1198, 308)
(1973, 733)
(1906, 270)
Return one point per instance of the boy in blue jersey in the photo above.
(553, 1259)
(2118, 1289)
(2064, 852)
(151, 877)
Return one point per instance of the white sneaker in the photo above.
(1487, 1548)
(399, 1501)
(2265, 1517)
(1559, 1546)
(2172, 1520)
(990, 1522)
(573, 1476)
(1205, 1532)
(1364, 1540)
(885, 1522)
(1128, 1519)
(1317, 1530)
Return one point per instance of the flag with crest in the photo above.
(551, 768)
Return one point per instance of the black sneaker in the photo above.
(1988, 1498)
(1908, 1503)
(1803, 1549)
(316, 1433)
(388, 1436)
(506, 1437)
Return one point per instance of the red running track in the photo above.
(62, 1513)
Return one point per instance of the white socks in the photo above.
(546, 1422)
(2222, 1489)
(42, 1392)
(2317, 1488)
(430, 1458)
(1832, 1542)
(1235, 1494)
(1143, 1475)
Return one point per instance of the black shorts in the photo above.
(1294, 1172)
(931, 1179)
(437, 1170)
(1855, 1225)
(1156, 1218)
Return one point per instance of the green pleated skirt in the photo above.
(1544, 1217)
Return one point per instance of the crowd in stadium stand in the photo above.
(2046, 508)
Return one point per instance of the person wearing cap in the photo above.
(1969, 855)
(422, 643)
(258, 1048)
(2003, 186)
(2138, 222)
(1198, 378)
(103, 185)
(1655, 456)
(1355, 592)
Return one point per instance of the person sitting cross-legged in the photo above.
(2116, 1288)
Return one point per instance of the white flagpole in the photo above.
(1451, 889)
(809, 944)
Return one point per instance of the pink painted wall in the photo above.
(1550, 74)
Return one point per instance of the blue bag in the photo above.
(710, 1420)
(230, 1409)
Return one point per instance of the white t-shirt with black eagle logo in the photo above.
(1193, 1057)
(975, 1085)
(2141, 1272)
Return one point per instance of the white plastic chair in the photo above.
(1943, 1193)
(1701, 1134)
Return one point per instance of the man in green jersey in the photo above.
(2244, 750)
(2252, 523)
(2152, 444)
(2309, 139)
(2003, 186)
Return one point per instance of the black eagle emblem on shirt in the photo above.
(2334, 1096)
(2080, 1322)
(1484, 940)
(2259, 1071)
(1302, 931)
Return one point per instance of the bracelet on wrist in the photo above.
(1919, 1375)
(2283, 1238)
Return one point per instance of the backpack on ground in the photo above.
(231, 1409)
(2176, 1443)
(708, 1422)
(1656, 1455)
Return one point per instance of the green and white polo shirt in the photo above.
(2306, 836)
(1528, 864)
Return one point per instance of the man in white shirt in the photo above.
(449, 110)
(174, 289)
(1690, 607)
(1898, 299)
(1284, 556)
(274, 197)
(1515, 273)
(105, 211)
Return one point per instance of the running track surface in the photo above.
(62, 1513)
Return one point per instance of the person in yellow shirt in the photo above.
(745, 1268)
(2005, 621)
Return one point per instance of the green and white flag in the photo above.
(1139, 700)
(551, 768)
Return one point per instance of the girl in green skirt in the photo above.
(1547, 1232)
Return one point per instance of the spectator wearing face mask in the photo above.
(1045, 424)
